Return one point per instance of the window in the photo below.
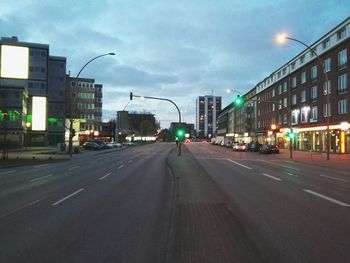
(343, 106)
(273, 107)
(279, 89)
(285, 87)
(326, 43)
(285, 103)
(295, 114)
(280, 104)
(302, 59)
(327, 87)
(313, 92)
(293, 65)
(303, 116)
(327, 65)
(294, 82)
(294, 99)
(303, 77)
(341, 33)
(312, 52)
(303, 96)
(326, 110)
(273, 93)
(342, 83)
(314, 72)
(313, 116)
(285, 118)
(342, 59)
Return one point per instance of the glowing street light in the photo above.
(283, 37)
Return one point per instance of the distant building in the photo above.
(207, 109)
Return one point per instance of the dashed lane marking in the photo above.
(68, 196)
(242, 165)
(272, 177)
(330, 199)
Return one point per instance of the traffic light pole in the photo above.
(155, 98)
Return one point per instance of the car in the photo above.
(102, 144)
(239, 147)
(91, 146)
(269, 148)
(255, 147)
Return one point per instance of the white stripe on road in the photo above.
(330, 177)
(120, 167)
(40, 165)
(272, 177)
(103, 177)
(130, 161)
(281, 165)
(295, 175)
(68, 196)
(247, 167)
(39, 178)
(8, 172)
(326, 198)
(22, 207)
(72, 168)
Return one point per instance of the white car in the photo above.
(239, 147)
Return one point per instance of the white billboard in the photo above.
(14, 62)
(39, 113)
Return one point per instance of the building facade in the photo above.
(43, 80)
(207, 110)
(308, 96)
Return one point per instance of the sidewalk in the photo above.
(336, 160)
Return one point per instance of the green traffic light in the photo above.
(180, 133)
(239, 101)
(291, 135)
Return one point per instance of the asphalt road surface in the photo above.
(146, 204)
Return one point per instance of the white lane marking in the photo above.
(72, 168)
(40, 165)
(103, 177)
(295, 175)
(22, 207)
(68, 196)
(247, 167)
(39, 178)
(281, 165)
(326, 198)
(330, 177)
(8, 172)
(272, 177)
(121, 166)
(130, 161)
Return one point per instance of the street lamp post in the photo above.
(281, 38)
(71, 118)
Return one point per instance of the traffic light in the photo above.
(180, 133)
(238, 102)
(131, 95)
(291, 135)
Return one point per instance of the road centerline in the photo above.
(67, 197)
(330, 199)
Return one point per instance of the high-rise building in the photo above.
(207, 109)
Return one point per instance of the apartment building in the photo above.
(309, 94)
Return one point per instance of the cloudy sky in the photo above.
(178, 49)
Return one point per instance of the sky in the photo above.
(177, 50)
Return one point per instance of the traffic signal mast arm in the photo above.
(155, 98)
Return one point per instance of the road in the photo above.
(146, 204)
(293, 212)
(112, 207)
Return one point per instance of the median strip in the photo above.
(67, 197)
(330, 199)
(247, 167)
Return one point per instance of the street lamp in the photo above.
(71, 119)
(281, 38)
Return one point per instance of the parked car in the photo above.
(102, 144)
(255, 147)
(91, 146)
(239, 147)
(269, 148)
